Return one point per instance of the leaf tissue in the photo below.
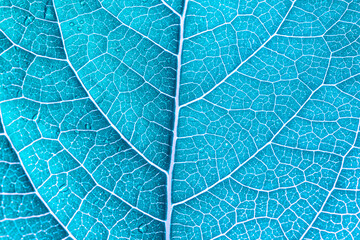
(179, 119)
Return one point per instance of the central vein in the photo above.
(176, 120)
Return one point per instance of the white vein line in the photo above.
(16, 194)
(127, 26)
(253, 155)
(28, 11)
(248, 230)
(339, 19)
(334, 186)
(146, 37)
(347, 190)
(29, 51)
(242, 63)
(137, 73)
(130, 69)
(308, 150)
(105, 189)
(102, 112)
(25, 217)
(176, 121)
(274, 189)
(44, 103)
(30, 180)
(173, 10)
(82, 202)
(6, 162)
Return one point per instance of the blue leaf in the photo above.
(22, 211)
(169, 119)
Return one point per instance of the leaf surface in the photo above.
(180, 119)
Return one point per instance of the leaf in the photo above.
(23, 212)
(180, 119)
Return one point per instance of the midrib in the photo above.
(176, 119)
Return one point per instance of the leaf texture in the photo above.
(193, 119)
(23, 214)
